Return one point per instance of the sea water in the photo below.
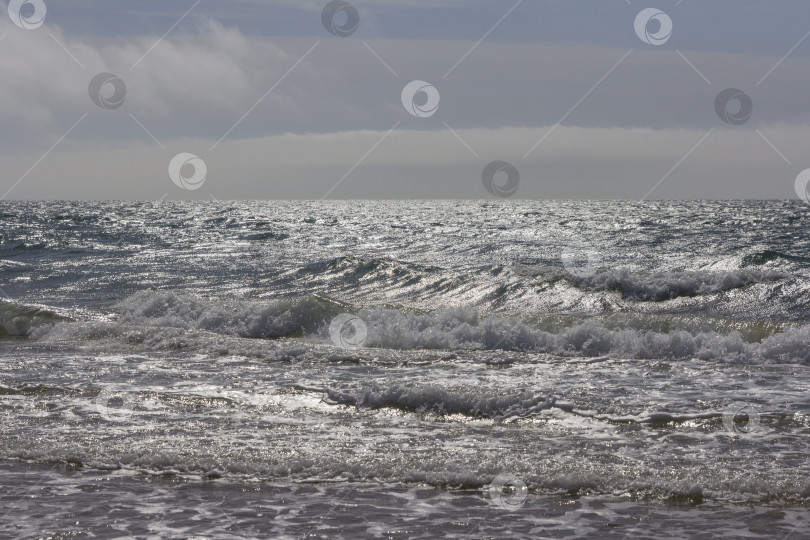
(404, 369)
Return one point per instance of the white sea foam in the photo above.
(470, 466)
(463, 328)
(166, 320)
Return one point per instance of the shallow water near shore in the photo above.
(120, 504)
(522, 369)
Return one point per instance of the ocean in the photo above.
(405, 369)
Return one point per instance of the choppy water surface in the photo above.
(405, 369)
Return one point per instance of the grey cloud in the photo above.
(571, 163)
(194, 86)
(201, 84)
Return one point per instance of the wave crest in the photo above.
(17, 320)
(440, 400)
(668, 285)
(250, 319)
(180, 320)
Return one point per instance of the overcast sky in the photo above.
(574, 94)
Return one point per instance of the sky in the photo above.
(253, 99)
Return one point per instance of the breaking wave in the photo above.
(441, 400)
(18, 320)
(669, 285)
(165, 319)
